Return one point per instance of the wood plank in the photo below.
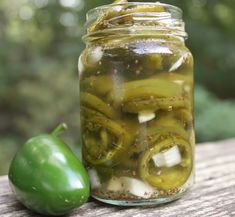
(213, 195)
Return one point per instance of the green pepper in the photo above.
(166, 124)
(167, 178)
(47, 177)
(153, 61)
(184, 116)
(104, 172)
(98, 84)
(146, 137)
(96, 103)
(155, 133)
(172, 119)
(116, 138)
(154, 104)
(149, 87)
(148, 94)
(175, 77)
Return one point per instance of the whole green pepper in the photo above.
(47, 177)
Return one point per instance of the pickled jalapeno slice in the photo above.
(98, 104)
(98, 84)
(148, 94)
(168, 164)
(155, 132)
(184, 116)
(105, 172)
(104, 139)
(152, 103)
(175, 77)
(129, 159)
(156, 87)
(174, 119)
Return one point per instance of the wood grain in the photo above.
(213, 194)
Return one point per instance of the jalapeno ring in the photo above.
(106, 151)
(163, 177)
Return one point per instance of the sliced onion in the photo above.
(137, 187)
(145, 116)
(179, 82)
(94, 179)
(162, 50)
(178, 63)
(131, 185)
(114, 184)
(187, 88)
(169, 158)
(159, 160)
(95, 55)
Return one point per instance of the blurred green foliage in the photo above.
(40, 41)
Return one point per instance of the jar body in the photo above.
(136, 97)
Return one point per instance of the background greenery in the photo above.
(40, 41)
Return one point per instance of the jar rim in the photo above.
(173, 23)
(108, 6)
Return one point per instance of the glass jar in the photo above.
(136, 97)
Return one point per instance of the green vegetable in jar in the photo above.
(96, 103)
(167, 165)
(113, 139)
(47, 177)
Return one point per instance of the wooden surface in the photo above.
(212, 195)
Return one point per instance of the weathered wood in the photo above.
(213, 194)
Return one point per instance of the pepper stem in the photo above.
(58, 130)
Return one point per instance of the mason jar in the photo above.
(136, 104)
